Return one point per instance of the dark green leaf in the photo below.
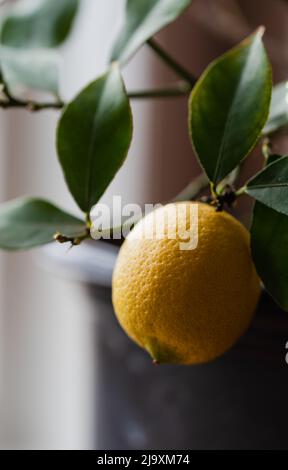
(270, 186)
(94, 136)
(143, 19)
(229, 107)
(269, 248)
(273, 158)
(278, 117)
(38, 24)
(30, 69)
(26, 223)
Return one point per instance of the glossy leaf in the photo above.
(38, 23)
(278, 116)
(94, 136)
(143, 19)
(270, 186)
(229, 107)
(26, 223)
(30, 69)
(269, 238)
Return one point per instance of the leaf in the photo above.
(94, 136)
(270, 186)
(229, 107)
(143, 19)
(26, 223)
(38, 23)
(269, 239)
(30, 69)
(273, 158)
(278, 117)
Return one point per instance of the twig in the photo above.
(180, 89)
(172, 63)
(30, 105)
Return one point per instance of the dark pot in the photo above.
(236, 402)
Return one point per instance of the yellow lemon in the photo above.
(185, 299)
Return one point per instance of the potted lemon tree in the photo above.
(188, 292)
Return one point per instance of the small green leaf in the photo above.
(38, 24)
(30, 69)
(269, 238)
(270, 186)
(143, 19)
(26, 223)
(278, 117)
(229, 107)
(94, 136)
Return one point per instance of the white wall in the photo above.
(46, 398)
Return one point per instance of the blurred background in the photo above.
(48, 366)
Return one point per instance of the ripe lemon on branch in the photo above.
(186, 306)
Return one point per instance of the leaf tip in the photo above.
(260, 31)
(114, 64)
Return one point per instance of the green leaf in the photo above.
(269, 239)
(94, 136)
(143, 19)
(273, 158)
(30, 69)
(229, 107)
(26, 223)
(38, 24)
(270, 186)
(278, 117)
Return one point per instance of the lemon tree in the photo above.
(229, 113)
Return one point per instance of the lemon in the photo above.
(186, 304)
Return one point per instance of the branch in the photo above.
(172, 63)
(30, 105)
(180, 89)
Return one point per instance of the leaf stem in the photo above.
(213, 190)
(266, 148)
(171, 62)
(75, 241)
(241, 191)
(30, 105)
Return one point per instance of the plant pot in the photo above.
(236, 402)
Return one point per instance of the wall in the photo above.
(48, 364)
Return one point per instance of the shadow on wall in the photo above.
(196, 40)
